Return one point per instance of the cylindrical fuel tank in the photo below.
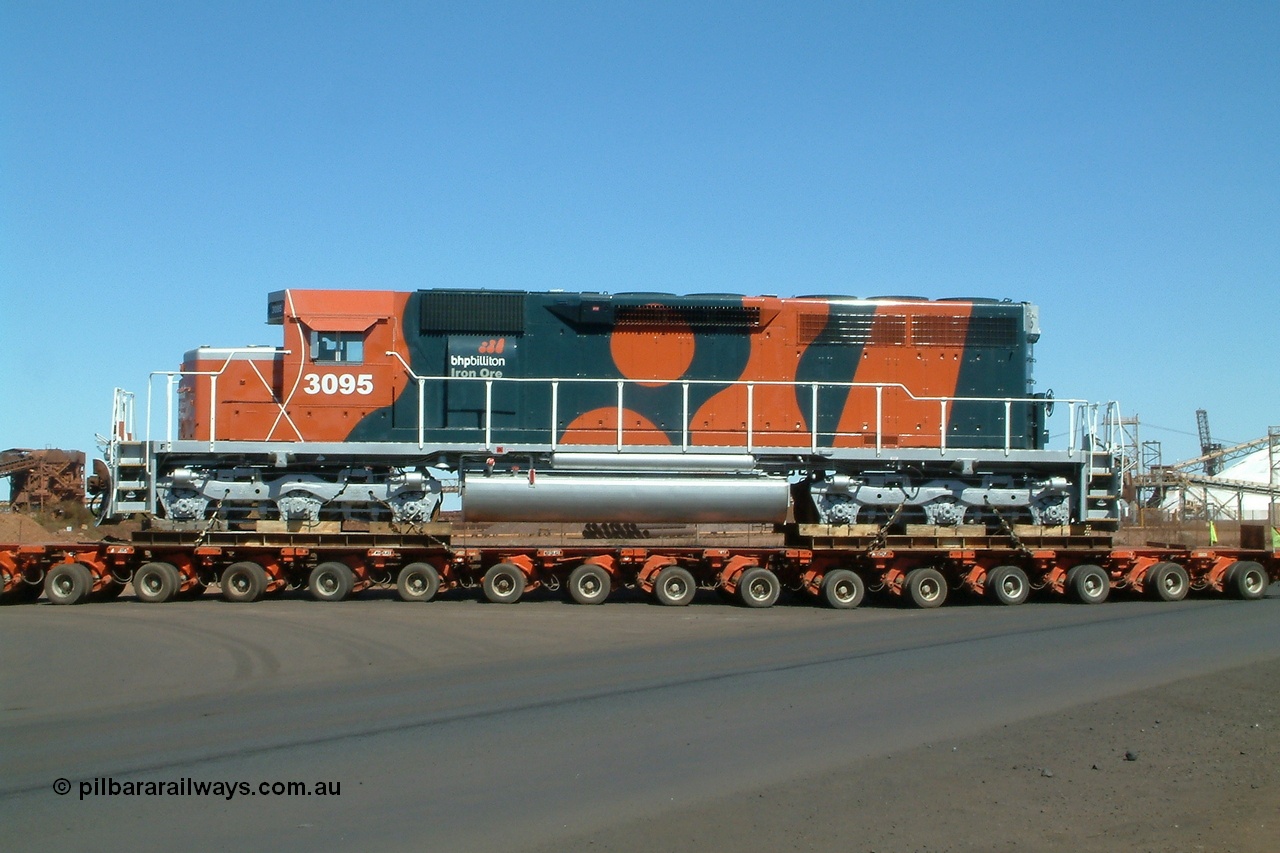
(694, 498)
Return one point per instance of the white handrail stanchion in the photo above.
(168, 408)
(813, 419)
(555, 409)
(684, 416)
(422, 412)
(620, 384)
(213, 410)
(1008, 426)
(488, 414)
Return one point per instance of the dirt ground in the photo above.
(1192, 766)
(22, 529)
(19, 528)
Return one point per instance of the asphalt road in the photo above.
(459, 725)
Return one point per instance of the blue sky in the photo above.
(163, 166)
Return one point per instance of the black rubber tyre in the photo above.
(331, 581)
(156, 583)
(1007, 585)
(244, 582)
(925, 588)
(758, 587)
(674, 587)
(1088, 584)
(1246, 579)
(418, 582)
(842, 589)
(68, 583)
(504, 583)
(1167, 582)
(589, 584)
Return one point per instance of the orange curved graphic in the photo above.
(600, 426)
(661, 350)
(775, 356)
(925, 370)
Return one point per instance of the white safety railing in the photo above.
(1082, 415)
(1089, 425)
(174, 377)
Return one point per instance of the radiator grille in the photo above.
(873, 329)
(709, 317)
(959, 331)
(472, 312)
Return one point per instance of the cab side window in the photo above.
(337, 347)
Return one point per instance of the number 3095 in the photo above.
(338, 383)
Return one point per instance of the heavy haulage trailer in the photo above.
(894, 444)
(336, 566)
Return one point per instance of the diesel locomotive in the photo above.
(632, 407)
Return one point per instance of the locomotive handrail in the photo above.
(173, 375)
(1082, 421)
(1078, 409)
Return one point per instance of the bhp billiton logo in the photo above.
(487, 363)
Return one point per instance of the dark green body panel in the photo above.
(567, 336)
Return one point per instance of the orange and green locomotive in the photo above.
(631, 407)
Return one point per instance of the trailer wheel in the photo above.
(418, 582)
(156, 583)
(1167, 582)
(1007, 585)
(504, 583)
(758, 587)
(1246, 579)
(244, 582)
(674, 587)
(589, 584)
(842, 589)
(925, 587)
(331, 581)
(68, 583)
(1088, 584)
